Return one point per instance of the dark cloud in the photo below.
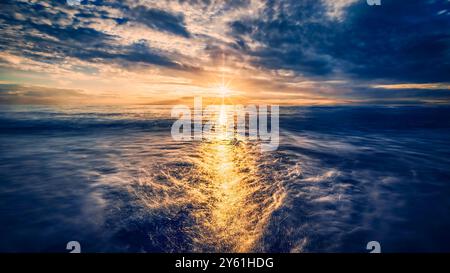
(160, 20)
(41, 41)
(398, 41)
(405, 94)
(287, 30)
(226, 5)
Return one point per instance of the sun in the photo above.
(224, 91)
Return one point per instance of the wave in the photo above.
(80, 125)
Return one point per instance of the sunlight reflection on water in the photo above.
(232, 201)
(241, 202)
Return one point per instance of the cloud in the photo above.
(160, 20)
(395, 41)
(327, 50)
(426, 86)
(20, 94)
(336, 8)
(41, 36)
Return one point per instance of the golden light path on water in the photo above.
(240, 203)
(229, 195)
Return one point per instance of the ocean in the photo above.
(113, 179)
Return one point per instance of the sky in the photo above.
(287, 52)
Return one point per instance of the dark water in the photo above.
(114, 180)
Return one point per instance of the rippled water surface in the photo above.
(113, 179)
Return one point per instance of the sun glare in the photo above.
(224, 91)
